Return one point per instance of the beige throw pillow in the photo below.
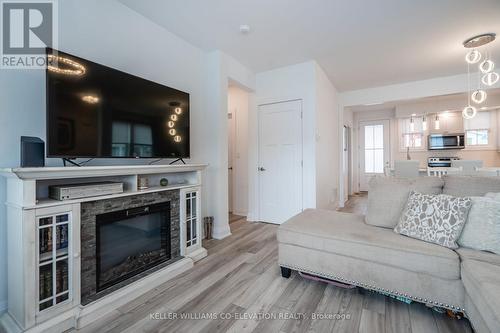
(437, 219)
(482, 230)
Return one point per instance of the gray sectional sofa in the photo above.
(366, 252)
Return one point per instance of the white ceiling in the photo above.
(359, 43)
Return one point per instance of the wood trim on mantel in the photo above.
(95, 171)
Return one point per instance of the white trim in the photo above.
(95, 171)
(216, 235)
(3, 306)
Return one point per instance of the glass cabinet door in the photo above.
(191, 219)
(53, 260)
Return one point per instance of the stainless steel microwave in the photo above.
(446, 141)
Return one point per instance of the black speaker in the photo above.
(32, 152)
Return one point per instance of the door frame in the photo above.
(301, 152)
(231, 118)
(361, 144)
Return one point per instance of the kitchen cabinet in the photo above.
(450, 122)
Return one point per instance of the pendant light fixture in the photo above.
(424, 123)
(486, 67)
(412, 125)
(436, 123)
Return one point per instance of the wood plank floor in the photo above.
(240, 278)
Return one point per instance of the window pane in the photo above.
(378, 136)
(418, 141)
(477, 137)
(368, 136)
(378, 161)
(369, 160)
(482, 137)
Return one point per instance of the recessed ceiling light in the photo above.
(372, 104)
(244, 29)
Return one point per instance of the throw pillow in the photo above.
(482, 230)
(436, 219)
(387, 197)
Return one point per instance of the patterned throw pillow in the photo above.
(436, 219)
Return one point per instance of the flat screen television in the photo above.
(94, 111)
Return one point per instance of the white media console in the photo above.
(44, 281)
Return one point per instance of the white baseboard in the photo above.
(221, 235)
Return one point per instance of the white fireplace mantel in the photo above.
(28, 201)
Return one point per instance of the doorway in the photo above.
(347, 161)
(280, 161)
(374, 150)
(237, 117)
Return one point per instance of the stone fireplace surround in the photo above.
(89, 211)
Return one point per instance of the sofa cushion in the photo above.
(482, 284)
(493, 195)
(471, 254)
(482, 230)
(470, 186)
(437, 219)
(387, 197)
(346, 234)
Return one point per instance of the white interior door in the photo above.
(230, 158)
(374, 152)
(280, 161)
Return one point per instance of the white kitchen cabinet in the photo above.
(450, 122)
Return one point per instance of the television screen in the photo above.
(96, 111)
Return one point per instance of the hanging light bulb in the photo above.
(487, 66)
(171, 124)
(412, 125)
(436, 123)
(177, 138)
(424, 123)
(479, 96)
(469, 112)
(473, 56)
(490, 79)
(173, 117)
(178, 110)
(172, 132)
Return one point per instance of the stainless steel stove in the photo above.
(441, 161)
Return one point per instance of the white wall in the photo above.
(306, 82)
(327, 142)
(220, 70)
(110, 33)
(238, 104)
(296, 82)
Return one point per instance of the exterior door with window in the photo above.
(374, 150)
